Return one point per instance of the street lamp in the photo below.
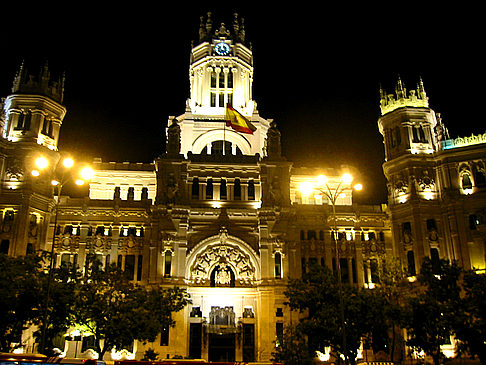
(332, 194)
(61, 177)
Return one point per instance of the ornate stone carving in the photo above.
(373, 247)
(401, 187)
(15, 170)
(129, 243)
(225, 258)
(426, 182)
(67, 242)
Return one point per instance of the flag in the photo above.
(237, 121)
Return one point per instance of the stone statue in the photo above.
(174, 138)
(273, 145)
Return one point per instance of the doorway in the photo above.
(221, 347)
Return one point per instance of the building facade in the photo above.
(225, 215)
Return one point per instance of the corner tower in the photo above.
(221, 73)
(33, 114)
(412, 133)
(34, 111)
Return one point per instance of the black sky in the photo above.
(318, 70)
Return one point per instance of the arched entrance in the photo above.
(221, 272)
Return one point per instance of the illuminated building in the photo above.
(436, 185)
(224, 214)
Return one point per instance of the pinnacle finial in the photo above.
(400, 89)
(421, 89)
(209, 24)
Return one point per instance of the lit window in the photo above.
(167, 263)
(278, 265)
(466, 181)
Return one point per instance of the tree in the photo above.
(393, 289)
(57, 311)
(20, 285)
(470, 316)
(431, 312)
(117, 311)
(317, 295)
(292, 349)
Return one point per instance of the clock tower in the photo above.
(221, 74)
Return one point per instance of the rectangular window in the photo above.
(375, 276)
(221, 80)
(65, 259)
(164, 337)
(4, 246)
(248, 342)
(222, 190)
(279, 330)
(229, 80)
(435, 259)
(237, 190)
(209, 189)
(473, 222)
(195, 340)
(278, 265)
(213, 99)
(130, 266)
(251, 190)
(139, 267)
(195, 188)
(411, 263)
(344, 270)
(355, 274)
(88, 343)
(167, 263)
(431, 225)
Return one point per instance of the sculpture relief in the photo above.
(222, 260)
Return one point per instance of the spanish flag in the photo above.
(237, 121)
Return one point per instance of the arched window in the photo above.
(217, 148)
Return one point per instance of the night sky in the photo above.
(318, 71)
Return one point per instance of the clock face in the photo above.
(222, 49)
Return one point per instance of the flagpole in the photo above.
(224, 131)
(224, 137)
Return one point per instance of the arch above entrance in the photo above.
(222, 254)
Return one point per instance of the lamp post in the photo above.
(332, 194)
(63, 167)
